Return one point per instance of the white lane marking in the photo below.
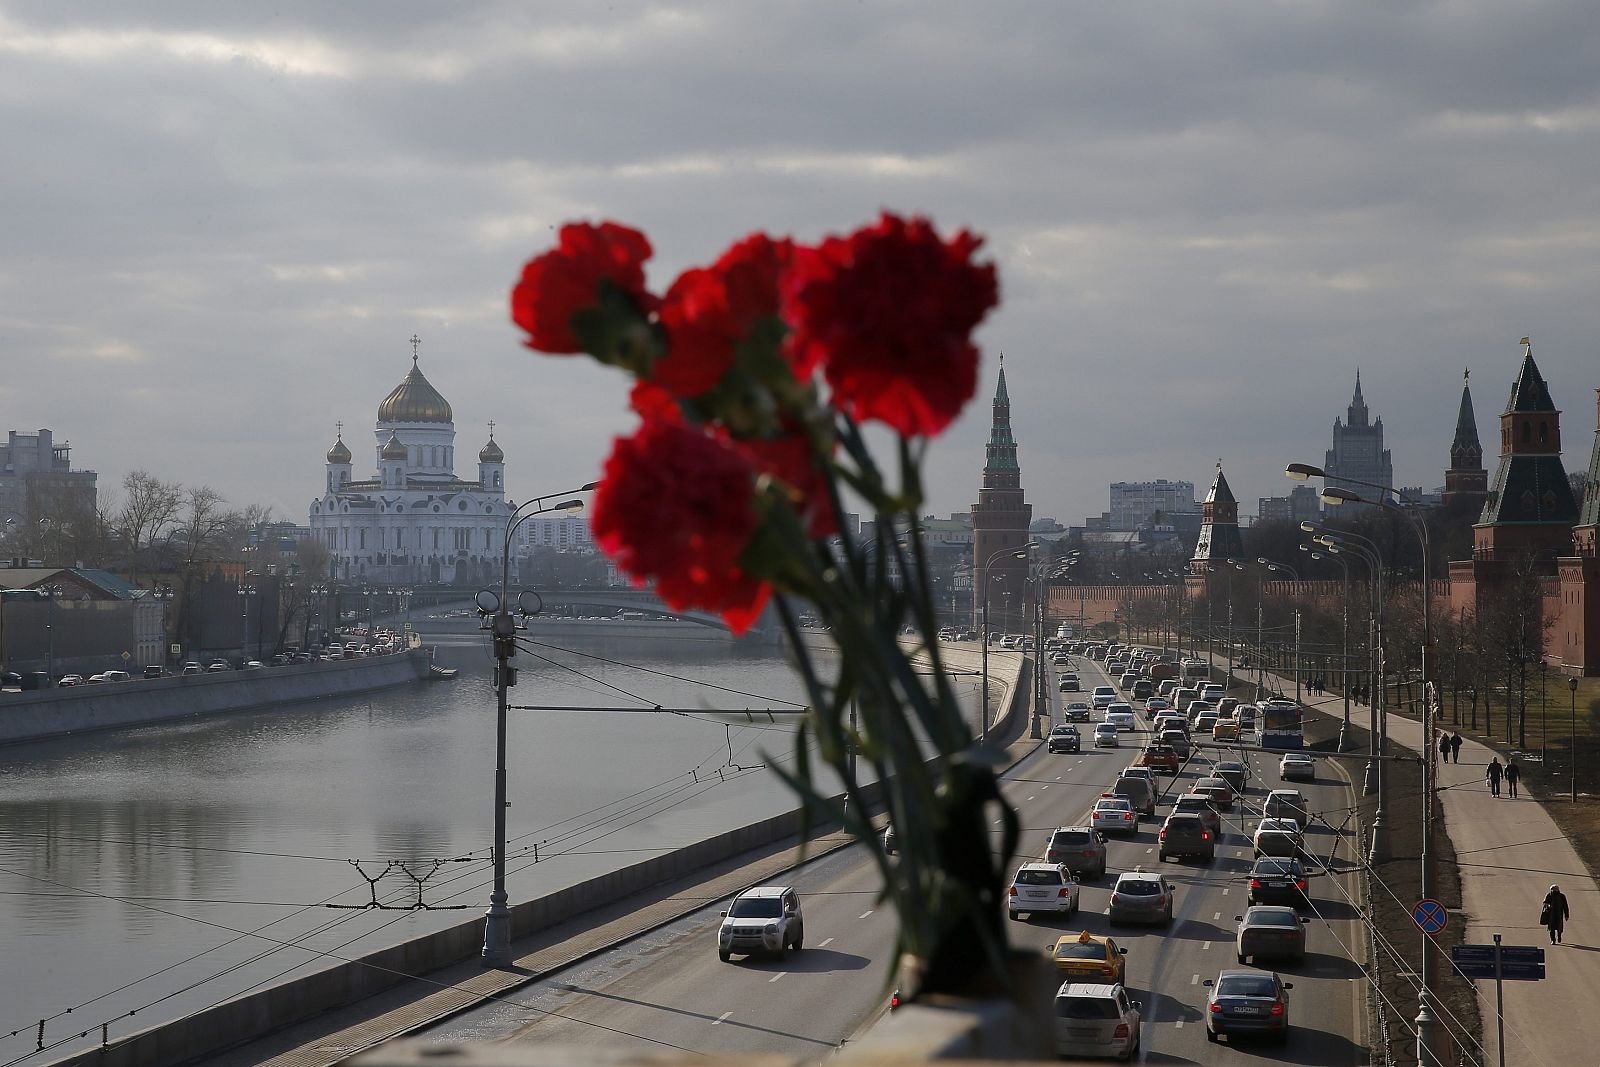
(719, 1019)
(1178, 1025)
(777, 976)
(863, 915)
(1148, 851)
(1224, 892)
(1215, 916)
(1058, 778)
(997, 822)
(1030, 798)
(1194, 979)
(1205, 946)
(829, 941)
(1045, 786)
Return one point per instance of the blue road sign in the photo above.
(1429, 915)
(1511, 972)
(1485, 954)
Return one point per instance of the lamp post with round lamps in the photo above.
(503, 620)
(1344, 642)
(1433, 1040)
(983, 638)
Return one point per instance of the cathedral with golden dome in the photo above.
(412, 520)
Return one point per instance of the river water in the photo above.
(163, 869)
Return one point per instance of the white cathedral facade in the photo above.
(413, 520)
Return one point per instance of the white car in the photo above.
(1105, 735)
(1277, 837)
(1042, 887)
(1121, 716)
(1096, 1019)
(1114, 815)
(1103, 697)
(1297, 767)
(763, 919)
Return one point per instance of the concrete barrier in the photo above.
(254, 1015)
(43, 713)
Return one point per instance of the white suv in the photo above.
(764, 919)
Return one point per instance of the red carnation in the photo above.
(566, 280)
(676, 507)
(888, 314)
(709, 311)
(791, 460)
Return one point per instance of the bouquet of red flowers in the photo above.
(752, 379)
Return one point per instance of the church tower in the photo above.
(1000, 521)
(1219, 527)
(1530, 507)
(1587, 533)
(1466, 483)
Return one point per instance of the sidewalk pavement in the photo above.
(1509, 853)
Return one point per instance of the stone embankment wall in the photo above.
(245, 1018)
(32, 716)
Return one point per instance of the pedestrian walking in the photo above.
(1492, 774)
(1512, 775)
(1455, 747)
(1553, 915)
(1444, 747)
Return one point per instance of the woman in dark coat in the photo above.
(1554, 914)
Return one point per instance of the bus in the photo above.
(1281, 725)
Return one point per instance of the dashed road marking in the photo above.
(1205, 945)
(863, 915)
(1194, 979)
(1224, 892)
(1215, 916)
(1045, 786)
(1149, 850)
(1058, 778)
(826, 943)
(1030, 798)
(1178, 1025)
(777, 976)
(719, 1019)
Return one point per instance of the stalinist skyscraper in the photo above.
(1358, 450)
(999, 522)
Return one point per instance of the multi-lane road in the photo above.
(669, 991)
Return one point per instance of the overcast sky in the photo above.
(224, 221)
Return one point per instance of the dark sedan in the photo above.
(1248, 1002)
(1270, 932)
(1064, 738)
(1279, 880)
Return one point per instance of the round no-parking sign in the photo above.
(1429, 915)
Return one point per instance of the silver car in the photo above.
(1094, 1019)
(1270, 932)
(1141, 897)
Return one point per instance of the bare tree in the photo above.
(1516, 624)
(149, 511)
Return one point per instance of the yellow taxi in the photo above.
(1089, 958)
(1225, 730)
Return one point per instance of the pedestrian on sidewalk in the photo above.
(1444, 747)
(1455, 747)
(1512, 775)
(1553, 915)
(1492, 774)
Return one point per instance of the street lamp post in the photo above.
(1572, 754)
(1344, 645)
(983, 638)
(245, 593)
(498, 618)
(1433, 1040)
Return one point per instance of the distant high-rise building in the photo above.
(37, 481)
(1219, 527)
(1466, 483)
(1302, 503)
(1000, 521)
(1358, 451)
(1137, 504)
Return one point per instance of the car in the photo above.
(1235, 772)
(1287, 804)
(1064, 738)
(1141, 896)
(1253, 1002)
(1080, 849)
(1037, 888)
(1297, 767)
(1185, 834)
(1154, 706)
(1176, 740)
(1088, 956)
(1270, 931)
(1127, 679)
(1059, 659)
(1225, 707)
(1140, 789)
(1105, 735)
(1201, 805)
(253, 665)
(1070, 684)
(1121, 716)
(891, 840)
(1102, 697)
(1279, 880)
(1077, 711)
(766, 918)
(1205, 723)
(1096, 1019)
(217, 665)
(66, 681)
(1212, 691)
(1277, 837)
(1143, 688)
(1114, 814)
(192, 668)
(114, 676)
(1159, 756)
(1218, 789)
(153, 671)
(1225, 730)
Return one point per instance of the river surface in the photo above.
(163, 869)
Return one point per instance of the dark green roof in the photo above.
(1529, 489)
(1529, 392)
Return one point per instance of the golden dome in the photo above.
(490, 453)
(393, 449)
(339, 453)
(414, 400)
